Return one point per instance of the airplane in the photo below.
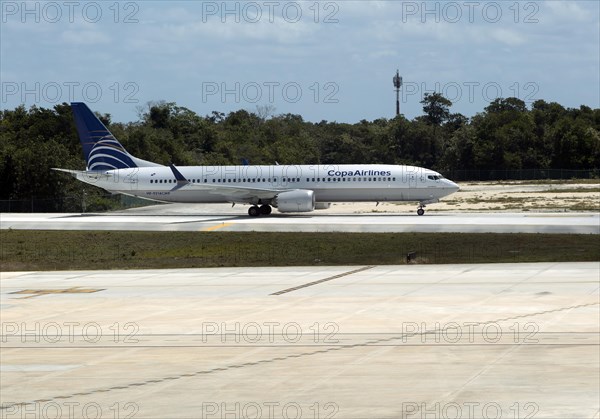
(289, 188)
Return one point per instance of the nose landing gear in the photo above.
(420, 210)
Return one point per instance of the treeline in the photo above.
(506, 135)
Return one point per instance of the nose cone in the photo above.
(450, 187)
(453, 186)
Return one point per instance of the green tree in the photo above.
(436, 108)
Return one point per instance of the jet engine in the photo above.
(300, 200)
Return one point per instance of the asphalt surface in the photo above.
(412, 341)
(190, 218)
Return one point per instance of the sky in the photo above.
(325, 60)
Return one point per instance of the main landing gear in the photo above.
(255, 210)
(420, 210)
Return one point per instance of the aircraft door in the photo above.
(412, 180)
(131, 179)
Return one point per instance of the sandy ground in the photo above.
(506, 196)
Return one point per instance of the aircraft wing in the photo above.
(234, 192)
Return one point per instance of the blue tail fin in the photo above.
(101, 150)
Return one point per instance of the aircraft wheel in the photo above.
(254, 211)
(265, 210)
(420, 211)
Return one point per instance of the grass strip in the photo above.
(23, 250)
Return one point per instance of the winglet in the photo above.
(181, 180)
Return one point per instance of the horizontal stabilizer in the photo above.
(80, 174)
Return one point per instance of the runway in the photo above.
(190, 218)
(412, 341)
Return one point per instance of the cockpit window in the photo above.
(434, 177)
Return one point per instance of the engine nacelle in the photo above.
(322, 205)
(299, 200)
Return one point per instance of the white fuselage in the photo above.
(330, 183)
